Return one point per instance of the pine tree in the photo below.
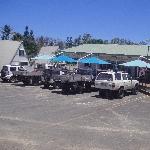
(17, 37)
(29, 42)
(6, 31)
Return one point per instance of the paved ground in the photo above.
(32, 118)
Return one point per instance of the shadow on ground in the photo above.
(109, 97)
(60, 92)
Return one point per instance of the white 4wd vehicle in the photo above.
(7, 73)
(116, 83)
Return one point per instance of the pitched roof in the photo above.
(136, 50)
(7, 51)
(48, 50)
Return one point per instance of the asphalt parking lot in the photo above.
(32, 118)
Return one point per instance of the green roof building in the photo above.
(109, 52)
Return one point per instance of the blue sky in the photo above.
(61, 18)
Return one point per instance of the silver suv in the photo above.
(115, 83)
(7, 73)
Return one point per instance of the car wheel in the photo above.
(65, 89)
(26, 82)
(80, 89)
(88, 87)
(109, 94)
(4, 80)
(12, 79)
(46, 86)
(31, 81)
(101, 93)
(135, 90)
(121, 92)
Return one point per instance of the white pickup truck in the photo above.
(115, 83)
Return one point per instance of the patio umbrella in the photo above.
(137, 63)
(93, 60)
(63, 58)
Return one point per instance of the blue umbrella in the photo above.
(137, 63)
(93, 60)
(63, 58)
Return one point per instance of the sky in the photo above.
(104, 19)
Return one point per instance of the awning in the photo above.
(63, 58)
(137, 63)
(93, 60)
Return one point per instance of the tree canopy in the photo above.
(33, 44)
(6, 31)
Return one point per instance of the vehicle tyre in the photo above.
(88, 87)
(4, 80)
(80, 89)
(121, 92)
(109, 94)
(31, 81)
(65, 89)
(101, 93)
(46, 86)
(135, 90)
(26, 82)
(55, 85)
(12, 79)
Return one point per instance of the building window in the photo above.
(21, 52)
(23, 63)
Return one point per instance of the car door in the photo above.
(129, 81)
(126, 81)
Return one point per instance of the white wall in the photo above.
(17, 59)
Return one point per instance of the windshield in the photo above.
(105, 76)
(5, 68)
